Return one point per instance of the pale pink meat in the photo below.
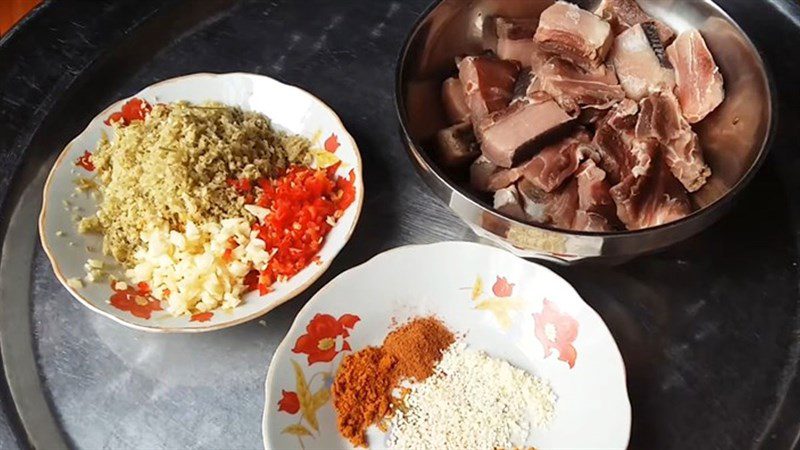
(574, 34)
(574, 88)
(511, 136)
(624, 14)
(640, 70)
(555, 208)
(660, 118)
(515, 39)
(455, 101)
(485, 176)
(557, 162)
(508, 201)
(700, 87)
(596, 208)
(563, 205)
(614, 138)
(488, 83)
(649, 195)
(456, 146)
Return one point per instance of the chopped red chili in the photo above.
(134, 109)
(242, 186)
(85, 161)
(300, 201)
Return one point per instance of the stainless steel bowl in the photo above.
(735, 137)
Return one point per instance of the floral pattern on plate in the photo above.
(324, 341)
(514, 310)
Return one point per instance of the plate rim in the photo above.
(360, 194)
(296, 323)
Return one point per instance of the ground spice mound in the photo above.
(362, 389)
(418, 346)
(362, 392)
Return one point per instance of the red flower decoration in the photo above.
(319, 342)
(136, 301)
(556, 330)
(332, 143)
(85, 161)
(502, 288)
(289, 402)
(202, 317)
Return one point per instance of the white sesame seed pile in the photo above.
(472, 401)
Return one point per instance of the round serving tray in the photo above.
(708, 329)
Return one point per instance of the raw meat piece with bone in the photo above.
(596, 208)
(649, 195)
(641, 66)
(455, 101)
(574, 34)
(700, 87)
(513, 135)
(508, 201)
(624, 14)
(559, 161)
(488, 83)
(515, 39)
(485, 176)
(457, 146)
(555, 208)
(614, 138)
(660, 118)
(574, 88)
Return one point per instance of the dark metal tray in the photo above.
(710, 330)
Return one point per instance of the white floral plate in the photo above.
(289, 108)
(506, 306)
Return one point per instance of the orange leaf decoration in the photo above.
(332, 143)
(202, 317)
(502, 288)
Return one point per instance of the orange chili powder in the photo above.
(362, 389)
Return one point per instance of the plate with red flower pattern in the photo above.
(510, 308)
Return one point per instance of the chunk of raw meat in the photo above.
(526, 82)
(591, 222)
(660, 118)
(555, 208)
(574, 34)
(507, 201)
(488, 83)
(624, 14)
(511, 136)
(485, 176)
(614, 138)
(557, 162)
(515, 39)
(457, 146)
(574, 88)
(596, 208)
(455, 101)
(649, 195)
(699, 82)
(640, 70)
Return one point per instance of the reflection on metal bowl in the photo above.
(734, 137)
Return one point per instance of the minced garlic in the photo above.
(201, 268)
